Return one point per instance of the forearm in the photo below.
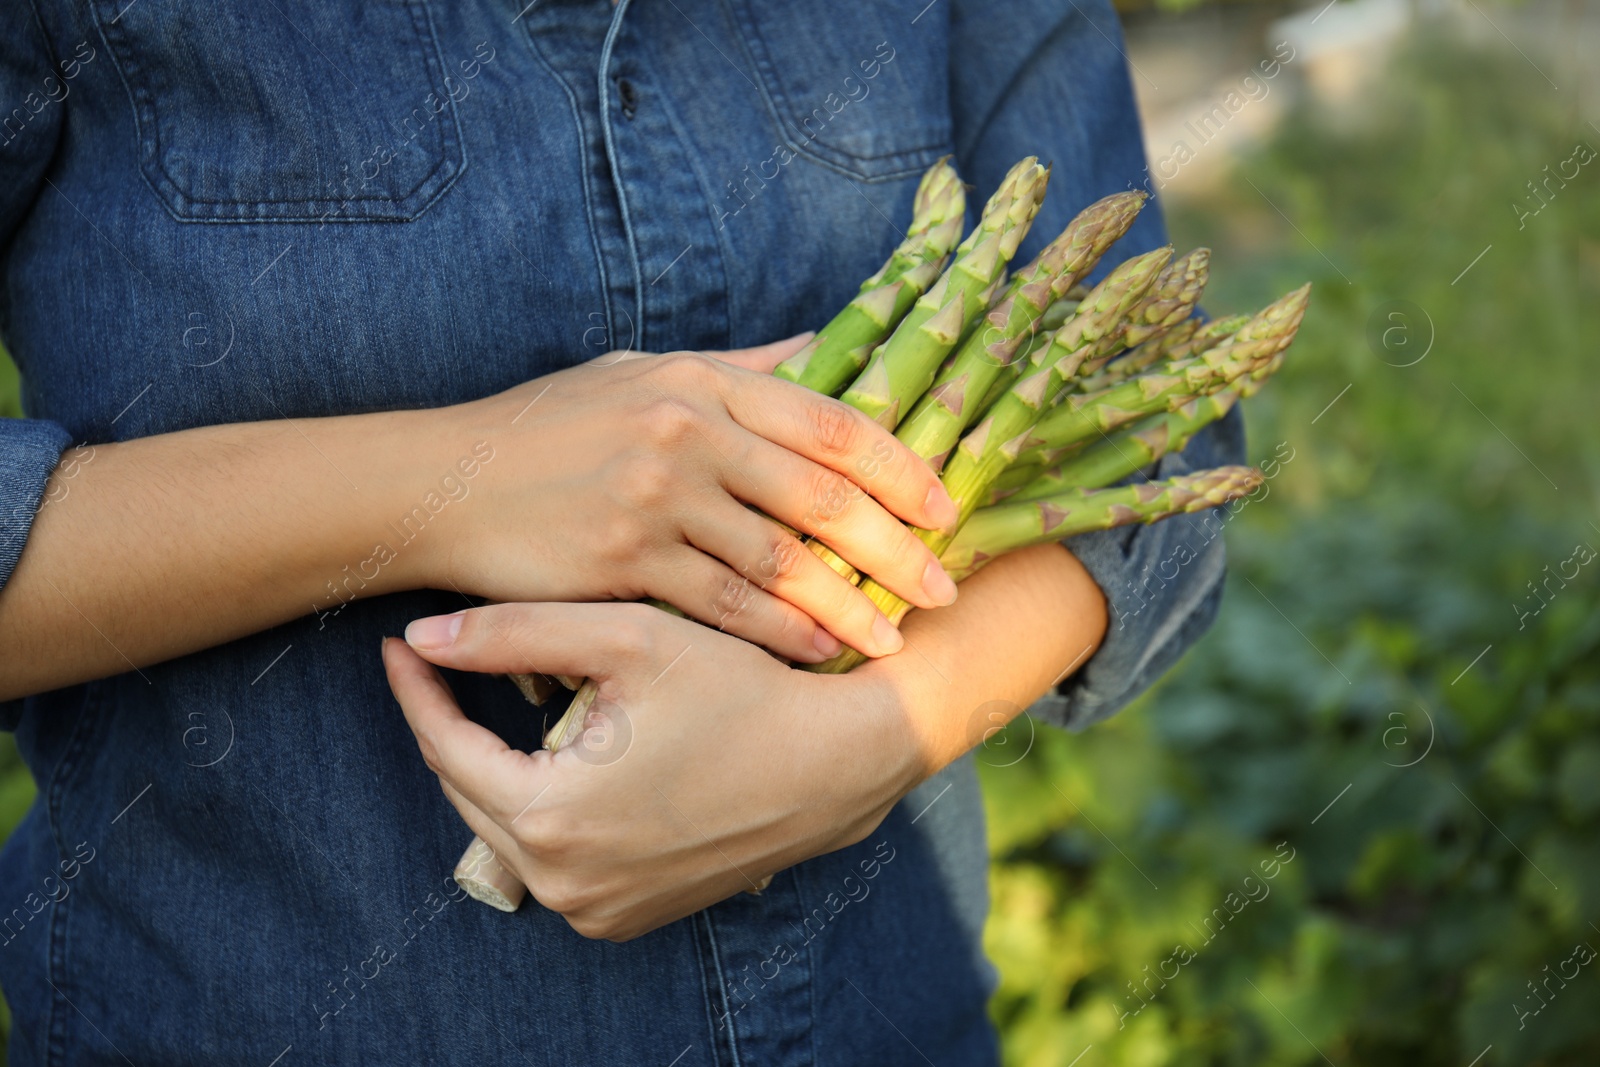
(1021, 624)
(161, 546)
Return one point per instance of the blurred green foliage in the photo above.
(1390, 554)
(10, 393)
(1391, 550)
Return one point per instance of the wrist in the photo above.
(424, 471)
(884, 722)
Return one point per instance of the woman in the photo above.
(329, 316)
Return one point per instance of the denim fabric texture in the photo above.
(224, 212)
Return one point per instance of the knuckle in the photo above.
(833, 427)
(559, 892)
(544, 835)
(592, 926)
(684, 371)
(647, 481)
(500, 626)
(732, 598)
(884, 456)
(830, 495)
(625, 539)
(665, 421)
(779, 560)
(634, 630)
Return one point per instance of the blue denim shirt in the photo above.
(216, 212)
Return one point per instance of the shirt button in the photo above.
(629, 97)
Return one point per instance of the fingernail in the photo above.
(826, 643)
(805, 335)
(886, 637)
(434, 632)
(938, 585)
(940, 509)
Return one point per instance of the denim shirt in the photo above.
(222, 212)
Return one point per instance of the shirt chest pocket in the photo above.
(290, 110)
(853, 86)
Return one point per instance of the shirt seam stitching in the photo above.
(583, 173)
(609, 140)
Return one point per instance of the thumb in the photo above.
(763, 359)
(586, 640)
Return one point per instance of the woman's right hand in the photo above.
(635, 476)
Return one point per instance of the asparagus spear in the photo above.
(1008, 375)
(1001, 528)
(990, 447)
(1189, 338)
(1114, 458)
(936, 422)
(1021, 474)
(900, 369)
(1084, 417)
(1203, 339)
(1251, 383)
(840, 349)
(1170, 300)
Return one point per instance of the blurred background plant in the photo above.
(1383, 691)
(1384, 700)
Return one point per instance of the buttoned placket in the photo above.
(758, 997)
(666, 210)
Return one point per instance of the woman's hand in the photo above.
(707, 767)
(628, 478)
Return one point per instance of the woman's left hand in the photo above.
(708, 764)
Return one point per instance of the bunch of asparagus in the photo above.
(1030, 394)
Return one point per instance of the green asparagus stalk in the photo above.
(1203, 339)
(996, 530)
(1114, 458)
(901, 369)
(986, 360)
(1017, 477)
(936, 422)
(1062, 309)
(1189, 338)
(840, 349)
(1008, 375)
(1251, 383)
(1170, 300)
(1053, 319)
(990, 447)
(1083, 417)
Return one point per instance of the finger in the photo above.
(763, 359)
(506, 851)
(839, 437)
(585, 640)
(475, 761)
(779, 566)
(834, 510)
(706, 589)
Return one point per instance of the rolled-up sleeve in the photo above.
(29, 131)
(1050, 78)
(29, 451)
(1162, 583)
